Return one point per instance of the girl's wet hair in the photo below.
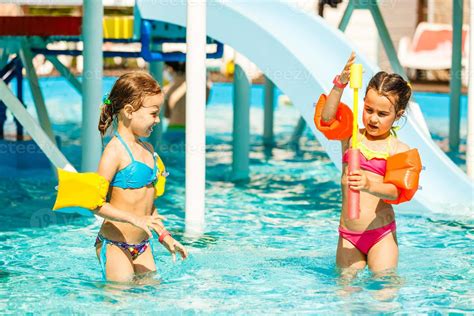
(392, 85)
(131, 88)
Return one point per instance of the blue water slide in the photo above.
(301, 54)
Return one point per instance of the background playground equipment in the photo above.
(25, 36)
(42, 30)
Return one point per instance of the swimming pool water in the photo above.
(269, 245)
(435, 108)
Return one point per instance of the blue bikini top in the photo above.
(136, 174)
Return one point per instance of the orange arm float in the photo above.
(338, 128)
(403, 170)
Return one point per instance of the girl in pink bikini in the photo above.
(388, 173)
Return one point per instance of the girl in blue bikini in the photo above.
(131, 167)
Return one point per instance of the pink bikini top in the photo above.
(375, 165)
(371, 160)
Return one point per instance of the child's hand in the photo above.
(172, 245)
(346, 72)
(149, 223)
(358, 181)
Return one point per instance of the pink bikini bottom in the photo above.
(366, 239)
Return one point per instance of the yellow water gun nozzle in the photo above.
(356, 76)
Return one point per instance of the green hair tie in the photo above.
(106, 99)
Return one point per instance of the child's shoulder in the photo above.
(110, 160)
(116, 151)
(112, 147)
(400, 146)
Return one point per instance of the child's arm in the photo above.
(332, 117)
(334, 97)
(386, 191)
(358, 181)
(108, 166)
(172, 245)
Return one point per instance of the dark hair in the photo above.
(131, 88)
(391, 85)
(178, 66)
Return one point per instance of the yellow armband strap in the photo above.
(403, 170)
(87, 190)
(161, 177)
(338, 128)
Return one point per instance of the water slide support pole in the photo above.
(241, 125)
(92, 83)
(195, 123)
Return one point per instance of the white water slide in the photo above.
(301, 54)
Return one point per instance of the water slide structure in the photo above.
(301, 54)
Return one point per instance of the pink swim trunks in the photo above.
(366, 239)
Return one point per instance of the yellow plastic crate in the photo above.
(118, 27)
